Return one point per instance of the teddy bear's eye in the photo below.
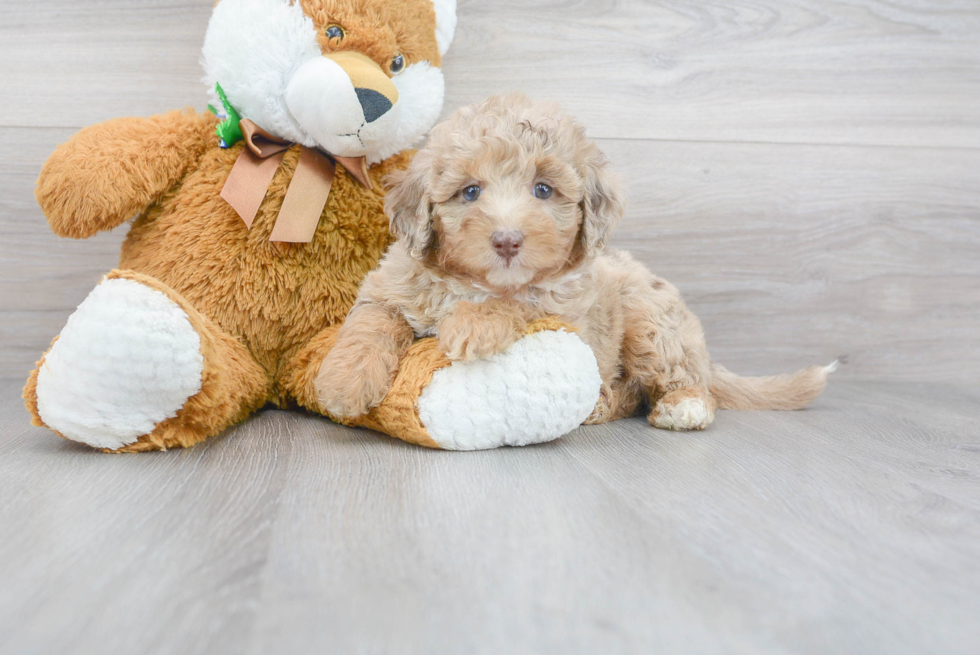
(397, 64)
(542, 191)
(472, 192)
(335, 32)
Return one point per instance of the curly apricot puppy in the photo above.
(503, 218)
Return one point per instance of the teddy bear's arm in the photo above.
(541, 388)
(109, 173)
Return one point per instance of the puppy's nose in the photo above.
(507, 244)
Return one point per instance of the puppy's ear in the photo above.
(409, 207)
(603, 205)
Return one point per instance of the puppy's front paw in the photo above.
(349, 391)
(478, 335)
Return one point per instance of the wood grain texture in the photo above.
(903, 72)
(71, 63)
(849, 527)
(793, 255)
(790, 254)
(804, 171)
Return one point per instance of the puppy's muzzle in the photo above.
(507, 244)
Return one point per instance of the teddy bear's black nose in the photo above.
(373, 103)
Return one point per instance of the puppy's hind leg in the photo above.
(687, 408)
(685, 403)
(665, 352)
(617, 399)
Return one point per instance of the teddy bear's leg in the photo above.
(137, 368)
(540, 389)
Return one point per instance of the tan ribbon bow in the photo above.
(308, 191)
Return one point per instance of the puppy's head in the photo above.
(506, 193)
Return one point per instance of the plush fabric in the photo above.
(271, 299)
(271, 90)
(481, 404)
(128, 359)
(206, 320)
(541, 389)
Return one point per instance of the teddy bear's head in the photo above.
(355, 78)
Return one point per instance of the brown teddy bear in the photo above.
(255, 225)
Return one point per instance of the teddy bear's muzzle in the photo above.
(344, 101)
(375, 92)
(373, 104)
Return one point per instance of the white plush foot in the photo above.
(540, 389)
(685, 414)
(127, 360)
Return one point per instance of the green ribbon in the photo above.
(229, 130)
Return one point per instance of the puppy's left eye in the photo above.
(542, 191)
(397, 64)
(335, 32)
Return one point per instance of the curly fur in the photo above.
(445, 278)
(264, 311)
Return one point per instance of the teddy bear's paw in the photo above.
(127, 360)
(540, 389)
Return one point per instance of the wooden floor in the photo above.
(806, 172)
(852, 527)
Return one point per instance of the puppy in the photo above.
(503, 218)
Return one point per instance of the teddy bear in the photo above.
(253, 226)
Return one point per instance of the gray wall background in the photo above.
(808, 173)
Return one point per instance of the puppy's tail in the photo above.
(791, 391)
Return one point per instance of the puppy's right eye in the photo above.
(472, 192)
(335, 32)
(542, 191)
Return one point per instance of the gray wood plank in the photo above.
(791, 254)
(849, 527)
(42, 278)
(73, 63)
(134, 555)
(806, 71)
(794, 255)
(862, 71)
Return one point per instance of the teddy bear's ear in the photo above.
(445, 23)
(409, 206)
